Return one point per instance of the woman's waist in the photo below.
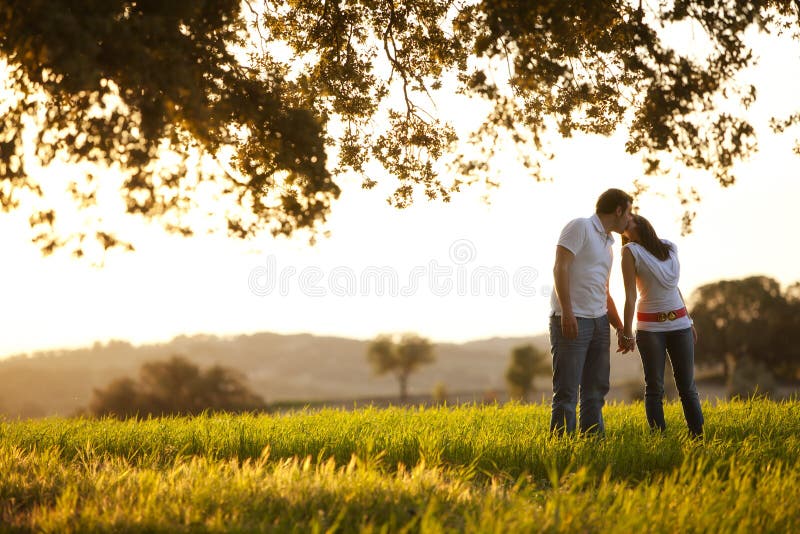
(656, 305)
(677, 315)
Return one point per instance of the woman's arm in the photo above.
(629, 277)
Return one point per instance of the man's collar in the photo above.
(598, 225)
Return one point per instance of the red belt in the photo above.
(661, 317)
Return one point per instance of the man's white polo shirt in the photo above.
(588, 274)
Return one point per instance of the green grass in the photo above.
(477, 469)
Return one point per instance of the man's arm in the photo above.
(613, 314)
(614, 320)
(569, 325)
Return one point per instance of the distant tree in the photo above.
(439, 392)
(793, 293)
(400, 357)
(526, 362)
(120, 399)
(175, 386)
(788, 335)
(747, 319)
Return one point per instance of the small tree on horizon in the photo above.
(400, 357)
(526, 362)
(175, 387)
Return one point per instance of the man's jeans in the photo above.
(653, 347)
(580, 365)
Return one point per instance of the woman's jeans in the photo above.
(654, 347)
(580, 365)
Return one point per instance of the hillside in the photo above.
(300, 367)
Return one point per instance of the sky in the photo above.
(452, 272)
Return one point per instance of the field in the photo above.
(475, 469)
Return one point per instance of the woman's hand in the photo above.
(694, 335)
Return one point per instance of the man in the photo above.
(582, 309)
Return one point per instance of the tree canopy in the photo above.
(277, 99)
(526, 362)
(175, 386)
(400, 356)
(748, 319)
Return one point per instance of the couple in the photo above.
(582, 309)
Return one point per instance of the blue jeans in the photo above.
(654, 347)
(580, 365)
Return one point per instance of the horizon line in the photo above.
(106, 342)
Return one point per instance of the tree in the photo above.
(267, 90)
(122, 82)
(439, 392)
(400, 357)
(119, 399)
(526, 362)
(737, 320)
(793, 293)
(787, 338)
(175, 386)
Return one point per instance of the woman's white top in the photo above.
(657, 282)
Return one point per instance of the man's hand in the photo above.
(569, 325)
(694, 335)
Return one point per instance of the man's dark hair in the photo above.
(613, 199)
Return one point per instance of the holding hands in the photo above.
(626, 341)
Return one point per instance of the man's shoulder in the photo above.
(576, 229)
(578, 222)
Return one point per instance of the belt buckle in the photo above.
(672, 316)
(661, 317)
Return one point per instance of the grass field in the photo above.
(475, 469)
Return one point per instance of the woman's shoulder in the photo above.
(634, 250)
(672, 246)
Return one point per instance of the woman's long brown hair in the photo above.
(648, 238)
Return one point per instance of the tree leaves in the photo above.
(401, 357)
(748, 318)
(121, 83)
(269, 90)
(175, 387)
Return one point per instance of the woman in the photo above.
(663, 323)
